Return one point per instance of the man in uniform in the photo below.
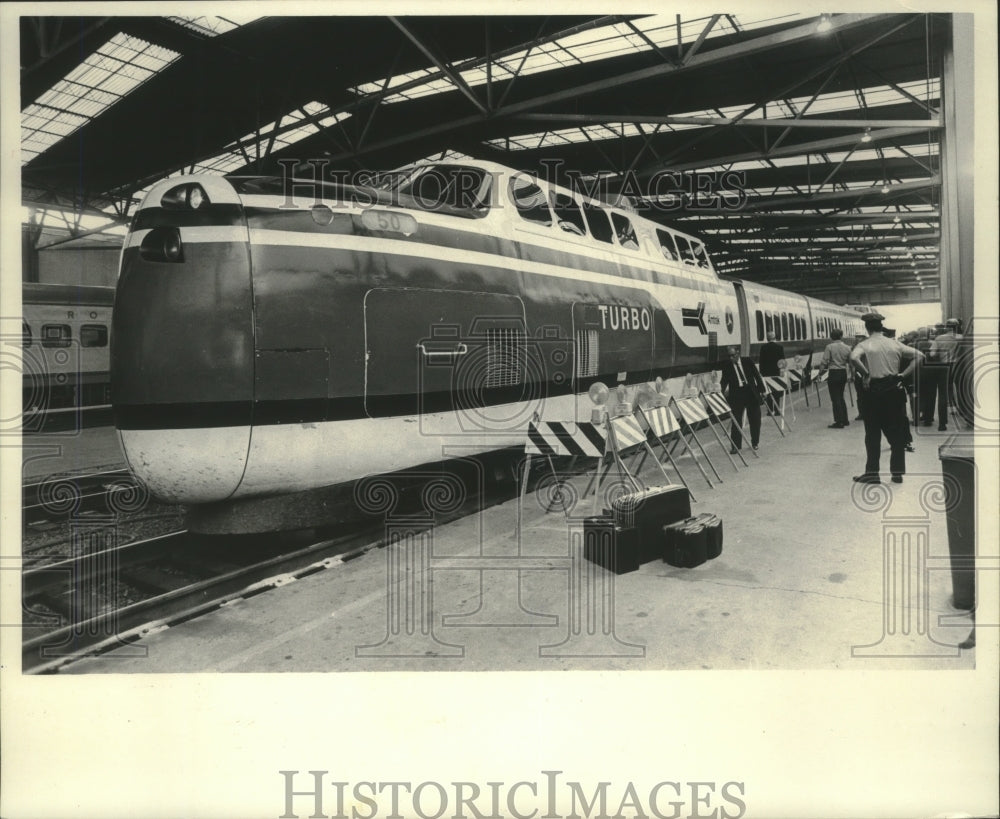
(942, 355)
(877, 359)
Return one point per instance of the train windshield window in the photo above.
(530, 202)
(687, 254)
(25, 334)
(600, 225)
(760, 326)
(56, 335)
(700, 255)
(784, 325)
(769, 322)
(93, 335)
(461, 187)
(625, 232)
(568, 215)
(667, 246)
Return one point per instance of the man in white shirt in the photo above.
(878, 359)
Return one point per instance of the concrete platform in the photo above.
(817, 572)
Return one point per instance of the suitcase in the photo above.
(649, 511)
(609, 545)
(685, 544)
(691, 542)
(713, 533)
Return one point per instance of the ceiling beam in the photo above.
(648, 119)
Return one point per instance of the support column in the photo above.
(958, 171)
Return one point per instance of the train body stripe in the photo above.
(366, 244)
(192, 235)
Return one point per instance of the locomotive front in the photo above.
(182, 341)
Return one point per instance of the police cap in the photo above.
(872, 315)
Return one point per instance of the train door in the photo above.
(432, 351)
(741, 301)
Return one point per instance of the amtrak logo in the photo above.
(729, 320)
(695, 317)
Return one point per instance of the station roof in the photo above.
(804, 150)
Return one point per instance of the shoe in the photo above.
(942, 428)
(834, 426)
(859, 418)
(867, 479)
(753, 447)
(897, 478)
(733, 451)
(926, 423)
(909, 448)
(970, 641)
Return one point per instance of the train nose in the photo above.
(182, 341)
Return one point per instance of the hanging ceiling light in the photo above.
(867, 136)
(896, 219)
(885, 186)
(824, 23)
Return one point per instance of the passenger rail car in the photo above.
(65, 346)
(272, 337)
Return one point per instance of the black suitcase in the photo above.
(649, 511)
(609, 545)
(685, 544)
(713, 533)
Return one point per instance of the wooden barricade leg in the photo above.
(697, 440)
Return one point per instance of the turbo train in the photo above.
(65, 346)
(274, 335)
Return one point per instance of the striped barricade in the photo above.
(550, 438)
(779, 388)
(691, 413)
(555, 438)
(719, 410)
(660, 421)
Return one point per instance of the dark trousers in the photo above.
(836, 383)
(740, 399)
(885, 414)
(859, 392)
(933, 384)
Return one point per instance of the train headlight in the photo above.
(189, 196)
(162, 245)
(172, 247)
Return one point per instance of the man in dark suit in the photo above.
(772, 357)
(743, 386)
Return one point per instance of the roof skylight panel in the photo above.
(114, 70)
(213, 26)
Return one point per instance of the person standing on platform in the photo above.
(942, 355)
(772, 355)
(878, 359)
(923, 379)
(836, 359)
(859, 385)
(743, 387)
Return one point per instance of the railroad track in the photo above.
(94, 603)
(112, 595)
(61, 496)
